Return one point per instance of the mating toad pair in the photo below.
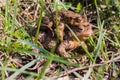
(54, 25)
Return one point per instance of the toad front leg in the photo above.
(61, 31)
(68, 45)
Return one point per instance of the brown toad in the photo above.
(78, 24)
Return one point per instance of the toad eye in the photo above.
(81, 28)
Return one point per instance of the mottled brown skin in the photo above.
(78, 24)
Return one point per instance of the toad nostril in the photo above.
(89, 31)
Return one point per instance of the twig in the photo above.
(64, 73)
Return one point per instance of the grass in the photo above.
(17, 58)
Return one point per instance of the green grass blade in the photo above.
(42, 73)
(100, 26)
(46, 54)
(87, 75)
(17, 70)
(39, 20)
(96, 52)
(22, 69)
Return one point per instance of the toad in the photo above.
(77, 23)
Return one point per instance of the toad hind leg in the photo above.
(67, 45)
